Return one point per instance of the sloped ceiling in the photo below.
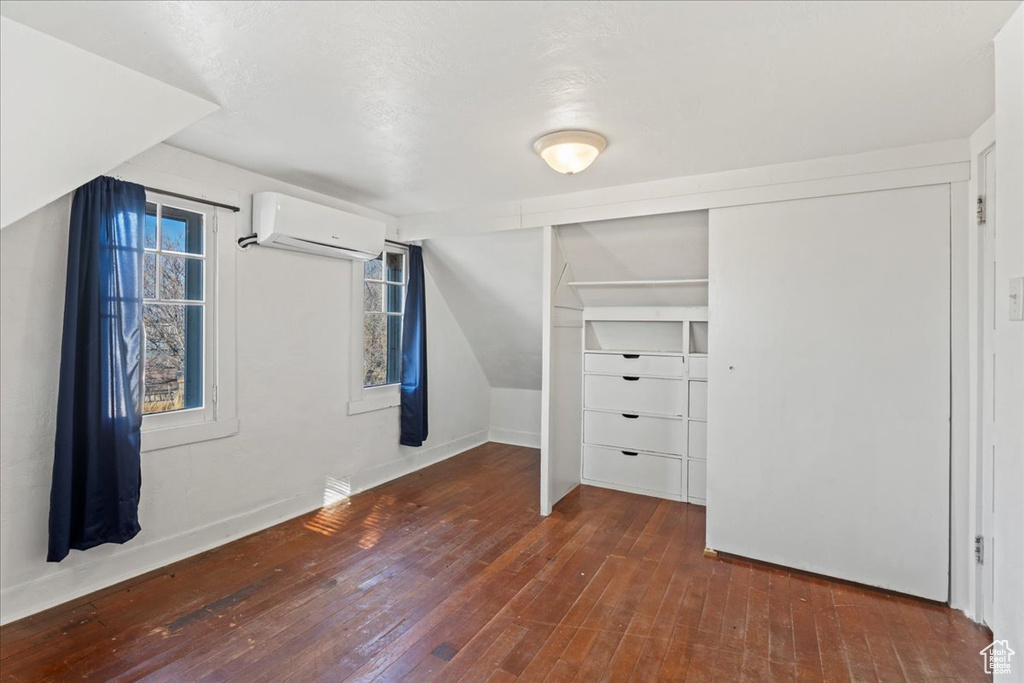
(412, 107)
(664, 247)
(492, 283)
(69, 116)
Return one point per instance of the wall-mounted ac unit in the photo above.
(295, 224)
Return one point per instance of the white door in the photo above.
(829, 405)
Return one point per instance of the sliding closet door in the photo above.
(828, 443)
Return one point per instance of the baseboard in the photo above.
(514, 437)
(679, 498)
(130, 561)
(44, 592)
(414, 459)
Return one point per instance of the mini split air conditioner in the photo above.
(289, 223)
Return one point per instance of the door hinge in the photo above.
(215, 394)
(981, 209)
(979, 549)
(215, 222)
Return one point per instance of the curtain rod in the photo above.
(248, 240)
(210, 202)
(200, 200)
(235, 209)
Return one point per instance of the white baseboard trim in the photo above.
(414, 459)
(126, 562)
(129, 561)
(514, 437)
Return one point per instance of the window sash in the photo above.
(206, 410)
(393, 349)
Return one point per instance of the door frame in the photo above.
(983, 467)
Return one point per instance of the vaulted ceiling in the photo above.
(81, 106)
(492, 283)
(414, 107)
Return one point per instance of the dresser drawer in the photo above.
(698, 400)
(697, 439)
(634, 432)
(697, 480)
(659, 474)
(698, 367)
(634, 364)
(632, 393)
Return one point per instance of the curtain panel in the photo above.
(414, 355)
(94, 497)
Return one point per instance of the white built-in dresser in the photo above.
(645, 405)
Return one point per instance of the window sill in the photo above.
(169, 437)
(376, 403)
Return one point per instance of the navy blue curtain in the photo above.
(94, 497)
(414, 355)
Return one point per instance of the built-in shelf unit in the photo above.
(626, 354)
(645, 402)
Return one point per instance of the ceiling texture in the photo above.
(412, 107)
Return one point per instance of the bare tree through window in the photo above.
(173, 309)
(384, 280)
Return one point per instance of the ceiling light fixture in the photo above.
(570, 151)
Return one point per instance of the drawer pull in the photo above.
(631, 356)
(630, 453)
(630, 416)
(631, 379)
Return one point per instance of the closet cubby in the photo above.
(698, 336)
(653, 336)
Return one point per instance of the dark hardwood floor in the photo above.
(450, 574)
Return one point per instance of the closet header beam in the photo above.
(639, 283)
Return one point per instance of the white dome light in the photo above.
(570, 151)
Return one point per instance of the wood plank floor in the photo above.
(450, 574)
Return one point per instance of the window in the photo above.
(384, 280)
(177, 283)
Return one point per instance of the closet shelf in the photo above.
(639, 283)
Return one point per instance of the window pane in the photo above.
(375, 350)
(181, 230)
(149, 276)
(173, 360)
(394, 349)
(395, 295)
(396, 265)
(373, 270)
(149, 235)
(373, 292)
(181, 278)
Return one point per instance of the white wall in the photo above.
(493, 284)
(515, 416)
(293, 319)
(1008, 553)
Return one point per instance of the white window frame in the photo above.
(367, 399)
(207, 409)
(217, 418)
